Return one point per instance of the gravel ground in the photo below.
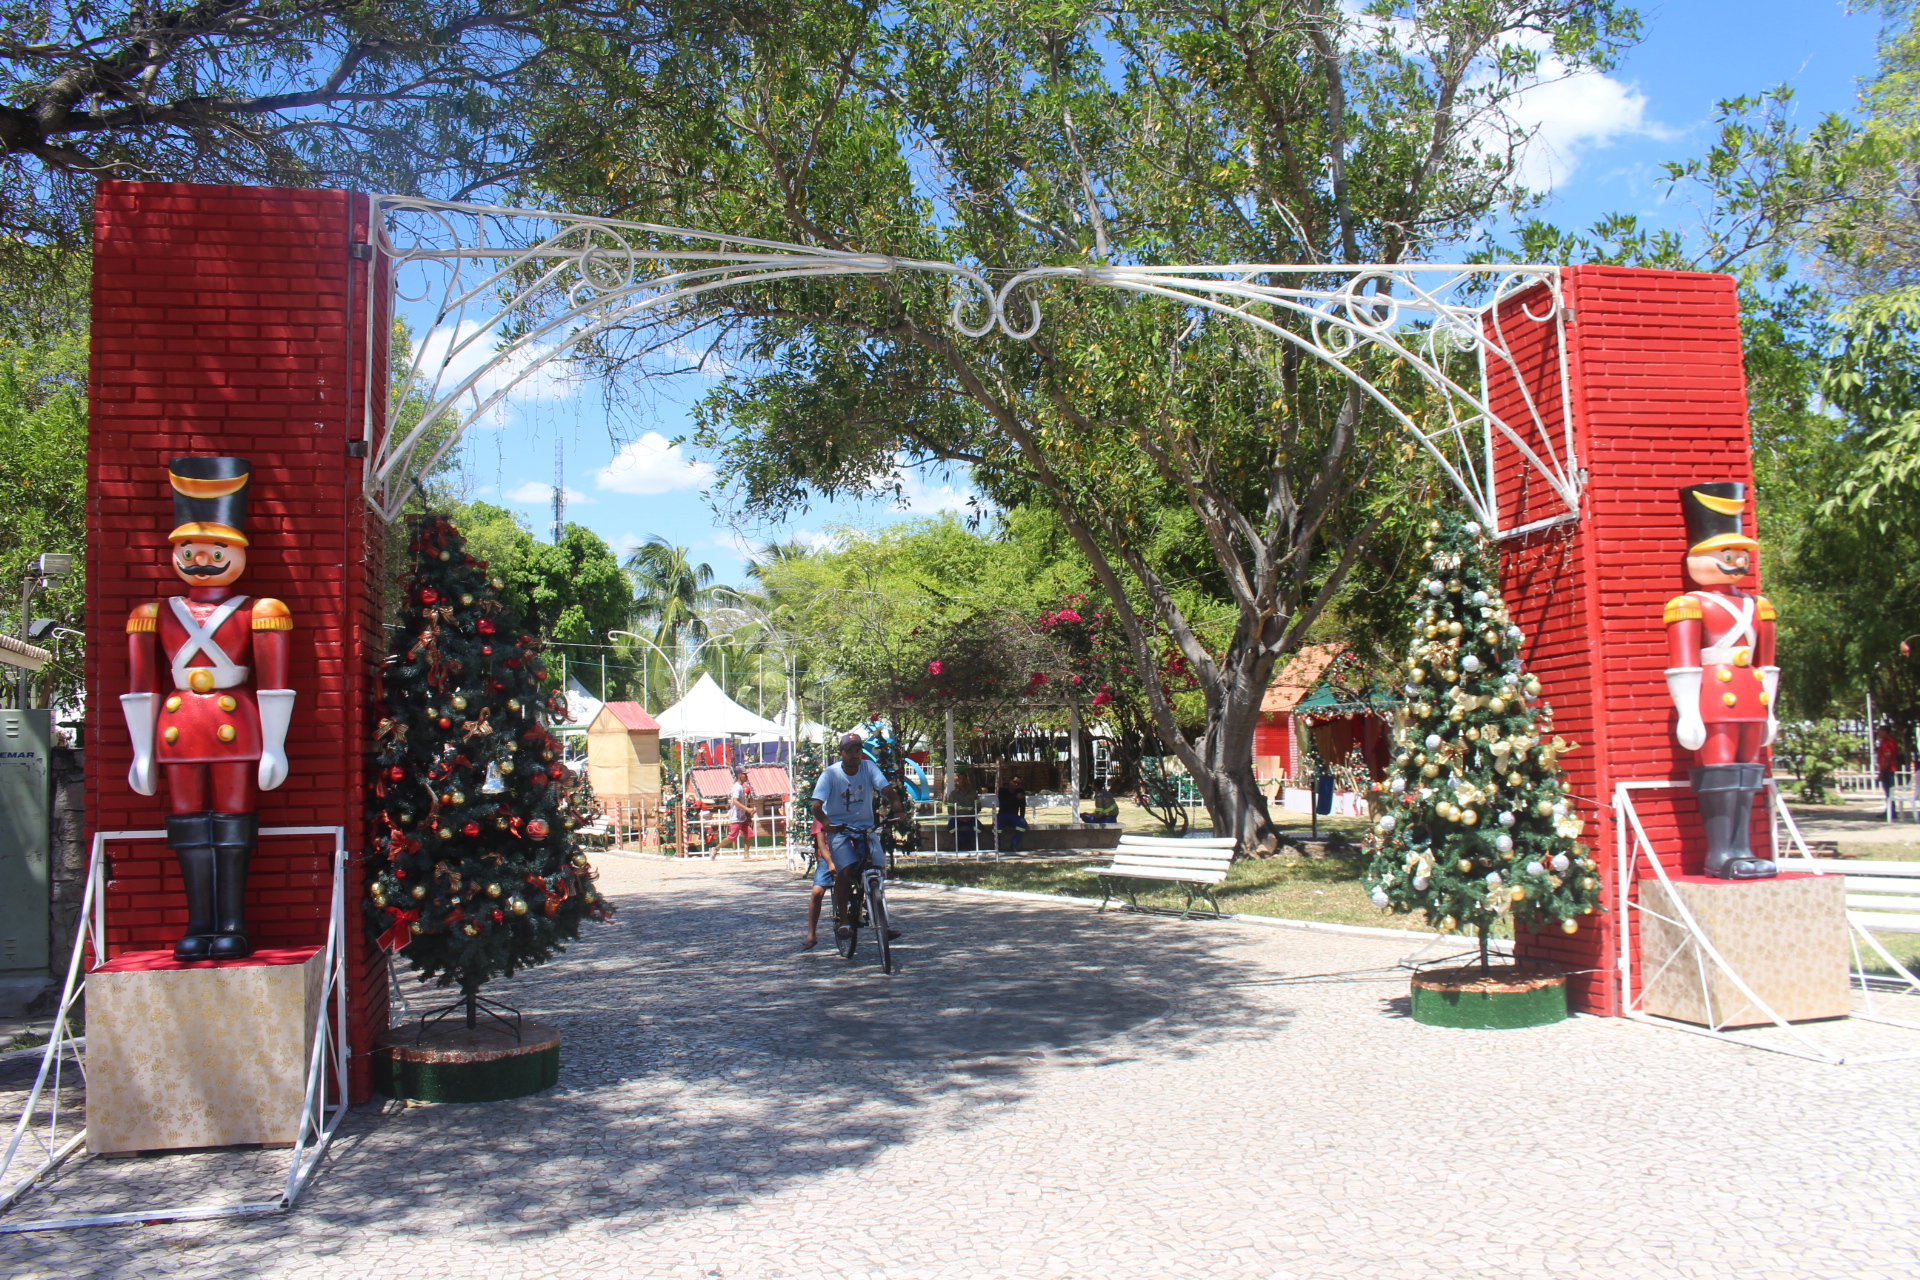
(1043, 1091)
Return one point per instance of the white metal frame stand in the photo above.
(318, 1117)
(1629, 853)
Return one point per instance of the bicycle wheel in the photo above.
(851, 943)
(879, 902)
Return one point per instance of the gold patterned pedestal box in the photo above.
(212, 1054)
(1786, 938)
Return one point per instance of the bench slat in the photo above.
(1173, 864)
(1131, 841)
(1884, 923)
(1193, 877)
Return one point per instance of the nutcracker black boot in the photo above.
(1725, 793)
(190, 835)
(234, 835)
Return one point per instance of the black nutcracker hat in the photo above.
(1713, 512)
(209, 498)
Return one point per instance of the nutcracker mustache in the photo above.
(203, 570)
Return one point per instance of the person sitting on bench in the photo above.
(1106, 809)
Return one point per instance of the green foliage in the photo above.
(43, 480)
(474, 863)
(1183, 456)
(572, 593)
(1476, 823)
(1814, 750)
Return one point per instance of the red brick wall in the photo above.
(1659, 401)
(232, 320)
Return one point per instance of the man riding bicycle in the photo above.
(843, 803)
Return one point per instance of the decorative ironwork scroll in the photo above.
(512, 290)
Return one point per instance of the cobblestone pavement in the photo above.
(1043, 1091)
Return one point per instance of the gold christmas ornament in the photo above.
(1448, 924)
(465, 598)
(1518, 893)
(1471, 817)
(493, 891)
(1463, 866)
(1498, 706)
(446, 833)
(519, 906)
(419, 891)
(469, 930)
(459, 703)
(1569, 926)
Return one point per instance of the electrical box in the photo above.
(26, 746)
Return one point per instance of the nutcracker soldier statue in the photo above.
(1722, 677)
(209, 705)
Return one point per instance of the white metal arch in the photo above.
(514, 289)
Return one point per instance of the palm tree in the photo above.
(671, 598)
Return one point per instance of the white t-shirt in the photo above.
(849, 798)
(741, 809)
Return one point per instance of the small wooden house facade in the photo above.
(623, 763)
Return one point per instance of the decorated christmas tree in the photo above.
(474, 871)
(1476, 823)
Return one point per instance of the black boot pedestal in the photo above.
(1725, 794)
(190, 835)
(234, 835)
(213, 850)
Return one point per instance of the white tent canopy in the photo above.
(706, 712)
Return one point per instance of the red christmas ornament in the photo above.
(485, 627)
(471, 829)
(395, 772)
(498, 916)
(539, 779)
(444, 723)
(486, 651)
(513, 662)
(537, 829)
(557, 771)
(428, 595)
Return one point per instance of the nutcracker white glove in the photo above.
(1683, 683)
(276, 713)
(137, 708)
(1770, 681)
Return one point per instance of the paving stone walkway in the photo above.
(1040, 1092)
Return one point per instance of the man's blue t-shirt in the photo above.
(849, 797)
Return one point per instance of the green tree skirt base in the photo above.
(1503, 997)
(454, 1064)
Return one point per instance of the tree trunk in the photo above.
(1224, 769)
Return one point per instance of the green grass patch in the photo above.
(1288, 886)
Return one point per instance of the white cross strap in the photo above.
(1742, 632)
(226, 672)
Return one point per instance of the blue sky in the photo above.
(1601, 143)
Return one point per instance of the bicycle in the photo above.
(866, 899)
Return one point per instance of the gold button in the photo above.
(1729, 698)
(1724, 673)
(1764, 699)
(201, 681)
(173, 703)
(172, 734)
(1741, 657)
(225, 731)
(227, 703)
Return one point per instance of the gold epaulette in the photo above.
(271, 615)
(1681, 608)
(145, 617)
(1766, 610)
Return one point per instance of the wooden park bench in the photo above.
(1195, 865)
(1881, 896)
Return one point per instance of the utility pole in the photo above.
(559, 486)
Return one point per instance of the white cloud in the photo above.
(652, 464)
(1571, 114)
(922, 497)
(539, 493)
(447, 356)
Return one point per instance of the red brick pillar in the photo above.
(1659, 401)
(233, 320)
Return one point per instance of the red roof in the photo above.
(711, 784)
(769, 781)
(634, 717)
(1298, 678)
(765, 781)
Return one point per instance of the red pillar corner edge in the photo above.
(1658, 394)
(233, 320)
